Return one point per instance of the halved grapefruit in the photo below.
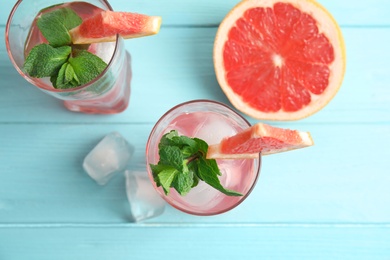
(106, 25)
(260, 138)
(279, 59)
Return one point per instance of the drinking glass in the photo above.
(210, 121)
(108, 93)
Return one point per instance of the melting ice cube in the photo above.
(110, 156)
(144, 200)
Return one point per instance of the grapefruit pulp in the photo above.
(279, 59)
(260, 138)
(106, 25)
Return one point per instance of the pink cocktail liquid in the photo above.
(108, 94)
(237, 174)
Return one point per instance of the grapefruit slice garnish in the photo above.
(260, 138)
(104, 27)
(279, 59)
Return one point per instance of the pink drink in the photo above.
(108, 93)
(210, 121)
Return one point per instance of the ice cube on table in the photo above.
(144, 200)
(110, 156)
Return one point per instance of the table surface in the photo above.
(329, 201)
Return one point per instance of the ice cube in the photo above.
(105, 50)
(213, 129)
(110, 156)
(144, 200)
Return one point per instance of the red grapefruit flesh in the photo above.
(279, 59)
(106, 25)
(260, 138)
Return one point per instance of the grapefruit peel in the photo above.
(106, 25)
(326, 24)
(260, 138)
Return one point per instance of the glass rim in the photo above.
(42, 85)
(196, 213)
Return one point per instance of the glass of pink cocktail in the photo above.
(108, 93)
(210, 121)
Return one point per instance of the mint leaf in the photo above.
(66, 78)
(187, 145)
(45, 60)
(192, 167)
(55, 26)
(183, 164)
(166, 178)
(156, 169)
(208, 172)
(202, 145)
(184, 181)
(167, 138)
(171, 155)
(87, 66)
(173, 138)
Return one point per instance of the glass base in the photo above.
(75, 106)
(115, 101)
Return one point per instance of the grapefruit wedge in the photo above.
(104, 27)
(279, 59)
(260, 138)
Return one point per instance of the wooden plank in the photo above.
(176, 66)
(343, 178)
(204, 12)
(203, 242)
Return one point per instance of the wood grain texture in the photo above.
(176, 66)
(202, 242)
(334, 181)
(329, 201)
(206, 13)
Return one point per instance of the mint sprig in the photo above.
(183, 164)
(67, 65)
(66, 77)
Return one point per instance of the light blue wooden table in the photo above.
(330, 201)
